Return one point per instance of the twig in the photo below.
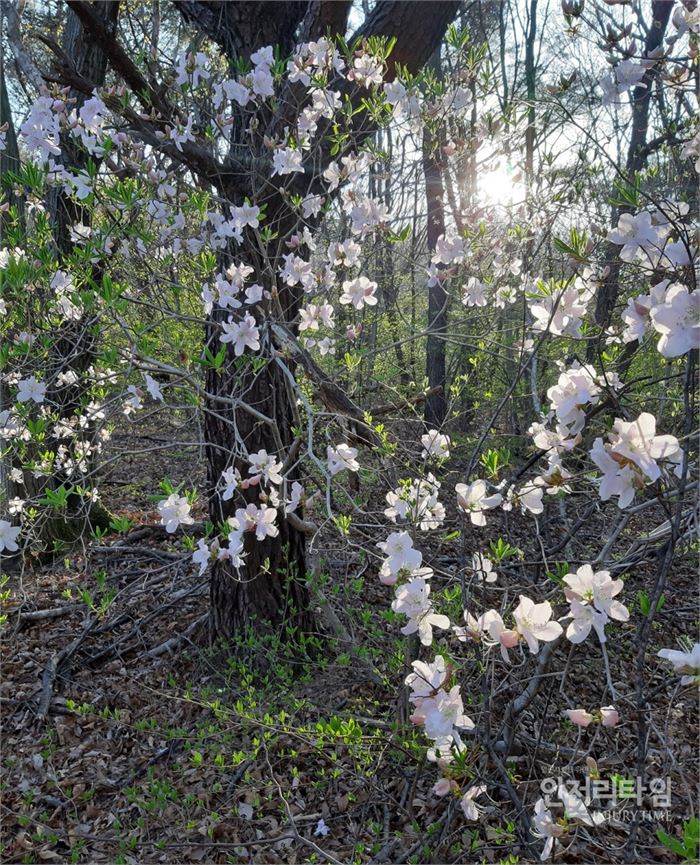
(51, 613)
(520, 703)
(608, 676)
(113, 647)
(404, 404)
(51, 670)
(334, 624)
(148, 551)
(174, 642)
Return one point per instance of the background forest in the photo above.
(348, 430)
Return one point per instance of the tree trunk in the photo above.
(636, 160)
(435, 361)
(9, 157)
(9, 161)
(270, 590)
(76, 347)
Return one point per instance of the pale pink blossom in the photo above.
(444, 786)
(426, 677)
(592, 603)
(412, 599)
(469, 807)
(342, 458)
(472, 499)
(687, 662)
(677, 319)
(260, 520)
(534, 623)
(638, 235)
(609, 716)
(580, 717)
(241, 334)
(638, 443)
(359, 292)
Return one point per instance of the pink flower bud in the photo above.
(443, 787)
(580, 717)
(609, 716)
(509, 639)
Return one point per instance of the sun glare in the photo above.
(501, 185)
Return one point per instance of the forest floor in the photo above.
(127, 738)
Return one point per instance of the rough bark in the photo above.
(9, 157)
(264, 593)
(242, 27)
(417, 26)
(271, 590)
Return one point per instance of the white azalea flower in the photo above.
(201, 556)
(153, 388)
(174, 512)
(286, 160)
(8, 536)
(241, 334)
(677, 319)
(400, 553)
(483, 569)
(472, 499)
(591, 596)
(266, 466)
(687, 663)
(342, 457)
(471, 812)
(575, 808)
(544, 826)
(29, 389)
(435, 444)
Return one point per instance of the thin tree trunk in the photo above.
(9, 161)
(75, 349)
(636, 160)
(435, 361)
